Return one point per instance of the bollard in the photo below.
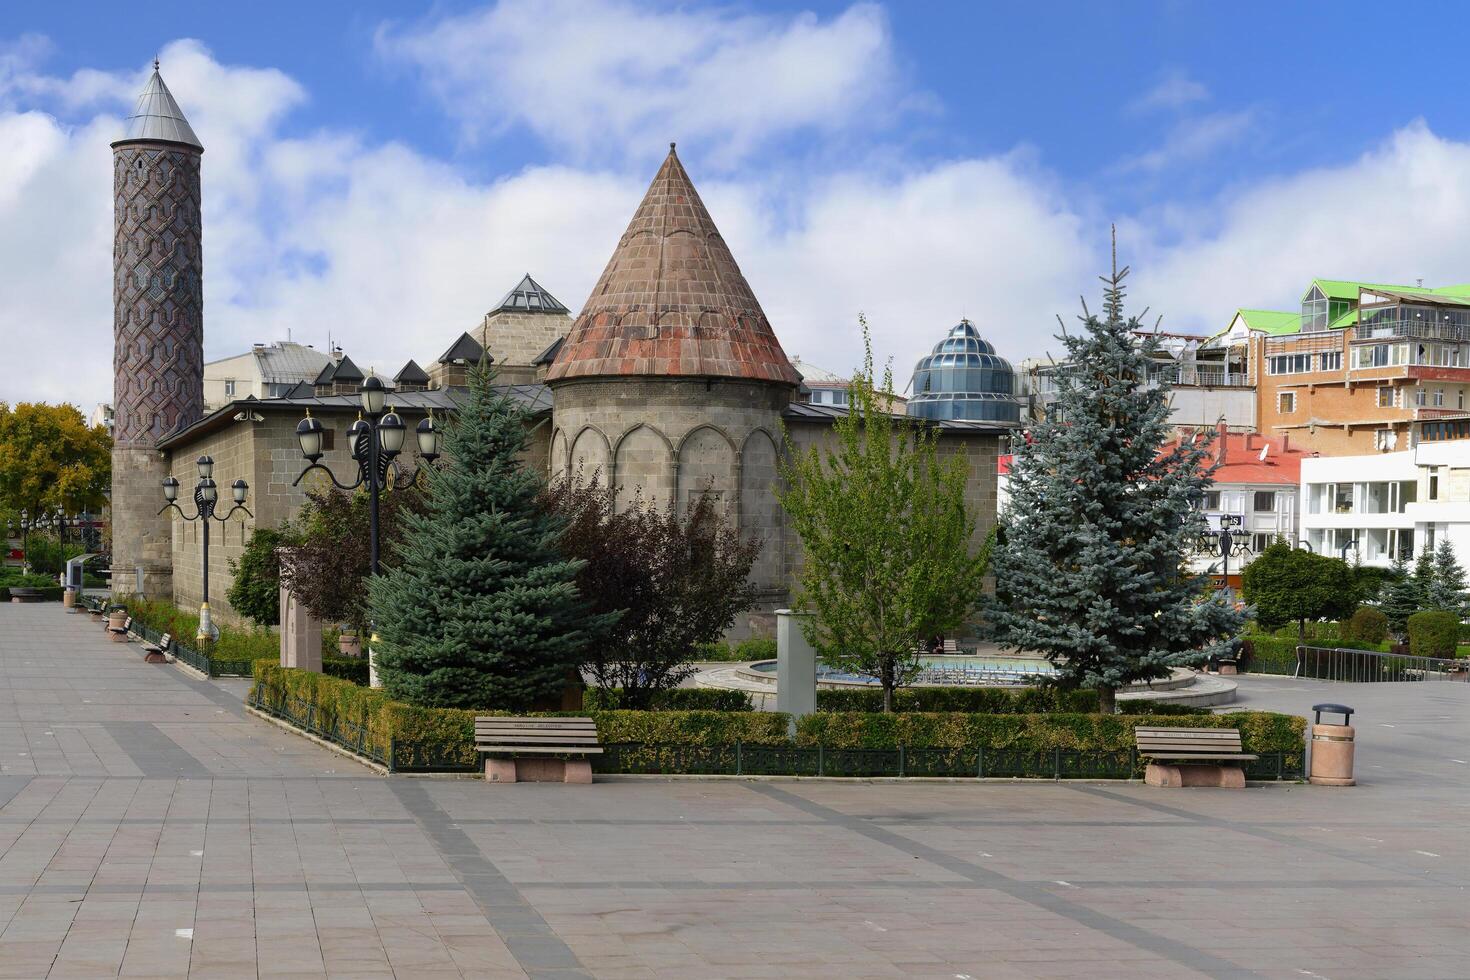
(1332, 747)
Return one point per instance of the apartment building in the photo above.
(1210, 382)
(1371, 507)
(1365, 363)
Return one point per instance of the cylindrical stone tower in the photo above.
(671, 382)
(158, 326)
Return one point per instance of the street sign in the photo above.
(1230, 520)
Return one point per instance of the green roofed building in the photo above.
(1359, 365)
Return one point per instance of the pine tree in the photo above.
(1447, 589)
(478, 607)
(1401, 598)
(1091, 565)
(1424, 575)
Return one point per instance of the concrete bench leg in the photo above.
(534, 770)
(500, 770)
(155, 657)
(119, 637)
(1223, 777)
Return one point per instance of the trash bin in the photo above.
(1332, 747)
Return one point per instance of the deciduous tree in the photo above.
(50, 458)
(668, 580)
(1290, 585)
(890, 559)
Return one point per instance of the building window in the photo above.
(1385, 397)
(1289, 363)
(1419, 397)
(1286, 402)
(1265, 502)
(1433, 495)
(1330, 361)
(1342, 502)
(1460, 398)
(1439, 398)
(1212, 500)
(1385, 439)
(229, 389)
(1261, 540)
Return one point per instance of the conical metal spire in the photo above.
(158, 117)
(672, 301)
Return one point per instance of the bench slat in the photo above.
(534, 733)
(534, 750)
(1203, 756)
(537, 741)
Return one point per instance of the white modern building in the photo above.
(1370, 508)
(264, 371)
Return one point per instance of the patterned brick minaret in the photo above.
(158, 326)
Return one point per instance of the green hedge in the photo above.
(983, 700)
(407, 738)
(1367, 625)
(50, 591)
(354, 669)
(1260, 731)
(1433, 632)
(675, 699)
(755, 648)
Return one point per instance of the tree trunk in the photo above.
(1301, 632)
(885, 677)
(1107, 701)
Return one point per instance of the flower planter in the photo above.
(348, 645)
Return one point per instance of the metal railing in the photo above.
(1371, 666)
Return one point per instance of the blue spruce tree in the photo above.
(1090, 567)
(479, 608)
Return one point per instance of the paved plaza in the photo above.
(150, 827)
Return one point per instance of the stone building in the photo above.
(669, 383)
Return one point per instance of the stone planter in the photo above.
(348, 645)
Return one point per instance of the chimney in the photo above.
(1285, 443)
(1250, 440)
(1222, 435)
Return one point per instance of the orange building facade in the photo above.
(1367, 363)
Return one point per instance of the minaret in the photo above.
(158, 326)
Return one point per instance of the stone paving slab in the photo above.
(149, 827)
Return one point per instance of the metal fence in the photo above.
(1371, 666)
(205, 663)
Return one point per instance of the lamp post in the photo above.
(375, 440)
(206, 495)
(26, 523)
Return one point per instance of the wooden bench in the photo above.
(157, 653)
(1192, 756)
(537, 750)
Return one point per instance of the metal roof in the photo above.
(549, 354)
(535, 398)
(286, 361)
(346, 371)
(529, 296)
(158, 117)
(467, 349)
(807, 412)
(821, 377)
(411, 374)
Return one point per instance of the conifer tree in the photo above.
(1402, 598)
(1447, 589)
(1091, 566)
(478, 607)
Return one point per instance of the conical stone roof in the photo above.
(672, 302)
(158, 117)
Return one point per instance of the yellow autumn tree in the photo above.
(50, 458)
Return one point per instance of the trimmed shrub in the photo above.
(1433, 633)
(756, 648)
(983, 700)
(1268, 654)
(1260, 731)
(1367, 625)
(354, 669)
(672, 699)
(444, 737)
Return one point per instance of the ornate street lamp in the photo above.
(375, 440)
(206, 496)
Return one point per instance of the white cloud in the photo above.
(1193, 138)
(1175, 90)
(396, 252)
(622, 79)
(1396, 213)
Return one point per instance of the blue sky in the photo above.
(386, 172)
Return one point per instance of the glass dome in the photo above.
(964, 379)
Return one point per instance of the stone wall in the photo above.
(268, 456)
(516, 339)
(667, 439)
(140, 536)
